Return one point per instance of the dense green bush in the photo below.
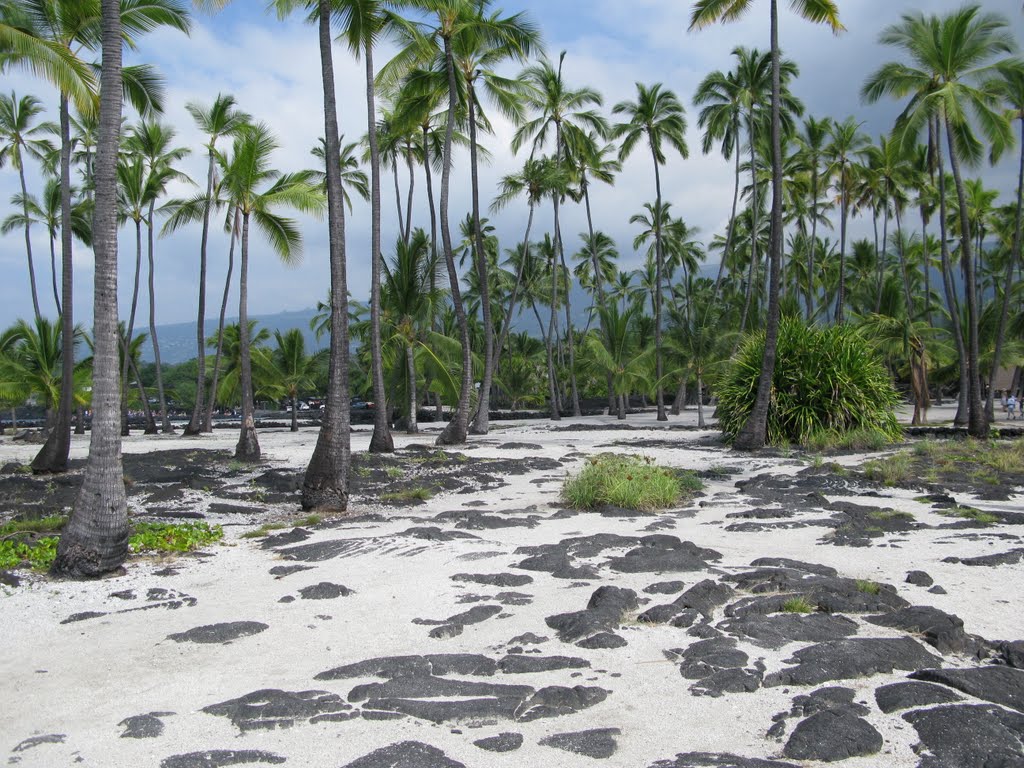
(827, 381)
(629, 482)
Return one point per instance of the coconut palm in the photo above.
(614, 348)
(292, 370)
(705, 12)
(657, 117)
(951, 76)
(31, 366)
(256, 189)
(845, 147)
(812, 155)
(353, 178)
(19, 141)
(220, 119)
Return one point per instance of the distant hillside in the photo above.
(178, 341)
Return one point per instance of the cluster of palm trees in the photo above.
(427, 338)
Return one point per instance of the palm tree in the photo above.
(293, 370)
(846, 145)
(245, 182)
(31, 366)
(19, 140)
(352, 176)
(151, 142)
(752, 435)
(951, 77)
(613, 348)
(219, 119)
(657, 116)
(812, 155)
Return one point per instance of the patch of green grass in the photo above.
(237, 466)
(798, 605)
(629, 482)
(362, 471)
(970, 513)
(889, 514)
(891, 470)
(408, 494)
(173, 537)
(394, 472)
(310, 520)
(50, 524)
(868, 587)
(859, 439)
(263, 530)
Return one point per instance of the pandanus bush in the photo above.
(826, 380)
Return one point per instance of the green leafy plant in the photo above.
(827, 380)
(39, 554)
(173, 537)
(798, 605)
(630, 482)
(868, 587)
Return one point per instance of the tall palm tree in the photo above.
(95, 539)
(752, 435)
(256, 189)
(20, 140)
(657, 116)
(293, 370)
(812, 154)
(951, 76)
(151, 141)
(220, 119)
(845, 147)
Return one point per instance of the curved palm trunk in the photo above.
(53, 272)
(753, 434)
(28, 239)
(814, 242)
(412, 189)
(1004, 313)
(754, 261)
(326, 481)
(212, 399)
(53, 456)
(130, 334)
(165, 422)
(481, 422)
(658, 289)
(195, 422)
(731, 228)
(455, 432)
(381, 441)
(556, 411)
(960, 419)
(507, 324)
(398, 197)
(844, 213)
(439, 406)
(918, 367)
(248, 447)
(95, 540)
(977, 424)
(147, 412)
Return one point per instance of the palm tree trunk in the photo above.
(53, 273)
(556, 411)
(881, 259)
(570, 336)
(412, 188)
(248, 447)
(752, 276)
(455, 432)
(844, 212)
(598, 282)
(754, 433)
(325, 485)
(481, 422)
(28, 239)
(658, 269)
(507, 324)
(814, 242)
(195, 425)
(926, 266)
(977, 424)
(211, 401)
(960, 419)
(1004, 313)
(165, 422)
(398, 198)
(295, 413)
(53, 456)
(95, 540)
(700, 400)
(147, 412)
(731, 228)
(130, 331)
(381, 440)
(412, 427)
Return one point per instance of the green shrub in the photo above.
(50, 524)
(827, 380)
(629, 482)
(409, 494)
(868, 587)
(797, 605)
(970, 513)
(173, 537)
(39, 554)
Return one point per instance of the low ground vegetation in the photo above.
(629, 482)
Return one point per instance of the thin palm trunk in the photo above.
(977, 424)
(53, 272)
(507, 324)
(212, 399)
(95, 540)
(1004, 313)
(731, 228)
(881, 260)
(844, 214)
(457, 428)
(598, 282)
(130, 334)
(926, 266)
(53, 456)
(439, 407)
(412, 427)
(658, 288)
(195, 425)
(960, 419)
(326, 482)
(481, 422)
(412, 189)
(556, 411)
(147, 412)
(248, 447)
(700, 400)
(752, 275)
(753, 434)
(165, 422)
(28, 239)
(814, 241)
(398, 197)
(381, 441)
(570, 336)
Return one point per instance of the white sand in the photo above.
(82, 679)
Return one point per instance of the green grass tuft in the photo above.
(50, 524)
(970, 513)
(629, 482)
(798, 605)
(868, 587)
(409, 494)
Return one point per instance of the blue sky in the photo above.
(273, 70)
